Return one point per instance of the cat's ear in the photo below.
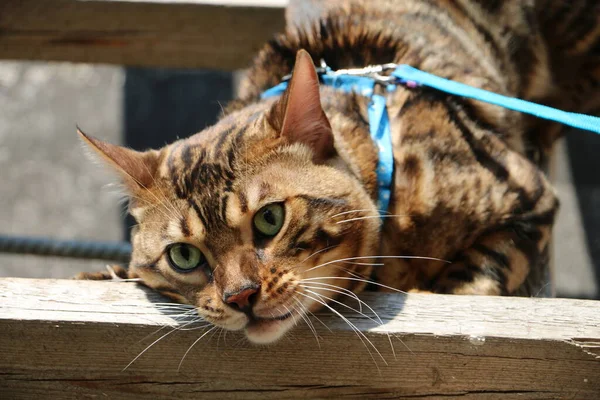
(136, 168)
(298, 115)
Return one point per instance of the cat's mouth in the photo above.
(256, 319)
(267, 330)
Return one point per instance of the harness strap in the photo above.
(363, 80)
(379, 124)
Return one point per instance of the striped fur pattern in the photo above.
(469, 191)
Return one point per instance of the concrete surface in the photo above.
(577, 233)
(50, 188)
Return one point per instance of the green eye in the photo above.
(184, 257)
(269, 219)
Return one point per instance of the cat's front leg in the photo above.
(509, 258)
(118, 273)
(113, 272)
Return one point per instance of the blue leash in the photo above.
(407, 73)
(363, 80)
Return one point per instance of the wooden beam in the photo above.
(223, 34)
(71, 339)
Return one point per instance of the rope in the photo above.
(110, 251)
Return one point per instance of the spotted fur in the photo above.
(468, 181)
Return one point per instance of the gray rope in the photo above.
(109, 251)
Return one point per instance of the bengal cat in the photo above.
(271, 212)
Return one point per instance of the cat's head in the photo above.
(253, 220)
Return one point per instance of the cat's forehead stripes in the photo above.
(189, 226)
(185, 228)
(203, 176)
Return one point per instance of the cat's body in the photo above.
(468, 187)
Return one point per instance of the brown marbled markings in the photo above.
(499, 258)
(312, 233)
(411, 167)
(492, 6)
(482, 154)
(566, 22)
(185, 227)
(243, 201)
(329, 202)
(467, 19)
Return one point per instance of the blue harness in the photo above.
(363, 80)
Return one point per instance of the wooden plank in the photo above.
(72, 339)
(215, 34)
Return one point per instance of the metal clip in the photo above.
(373, 71)
(385, 79)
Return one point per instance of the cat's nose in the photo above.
(243, 298)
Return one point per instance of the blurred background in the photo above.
(51, 188)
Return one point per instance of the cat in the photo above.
(271, 213)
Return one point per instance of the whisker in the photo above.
(146, 349)
(225, 336)
(378, 321)
(165, 201)
(308, 323)
(356, 211)
(349, 272)
(179, 313)
(195, 328)
(289, 312)
(542, 289)
(346, 270)
(312, 314)
(371, 257)
(158, 206)
(178, 306)
(373, 216)
(353, 279)
(353, 327)
(193, 344)
(188, 310)
(317, 252)
(218, 339)
(360, 303)
(345, 291)
(171, 326)
(360, 263)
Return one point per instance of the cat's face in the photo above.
(248, 220)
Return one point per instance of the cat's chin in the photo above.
(267, 331)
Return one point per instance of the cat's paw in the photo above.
(420, 291)
(112, 273)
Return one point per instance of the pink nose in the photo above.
(242, 298)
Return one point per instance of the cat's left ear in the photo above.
(137, 169)
(298, 115)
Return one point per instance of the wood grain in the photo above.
(71, 339)
(193, 34)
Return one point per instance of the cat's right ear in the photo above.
(298, 115)
(137, 169)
